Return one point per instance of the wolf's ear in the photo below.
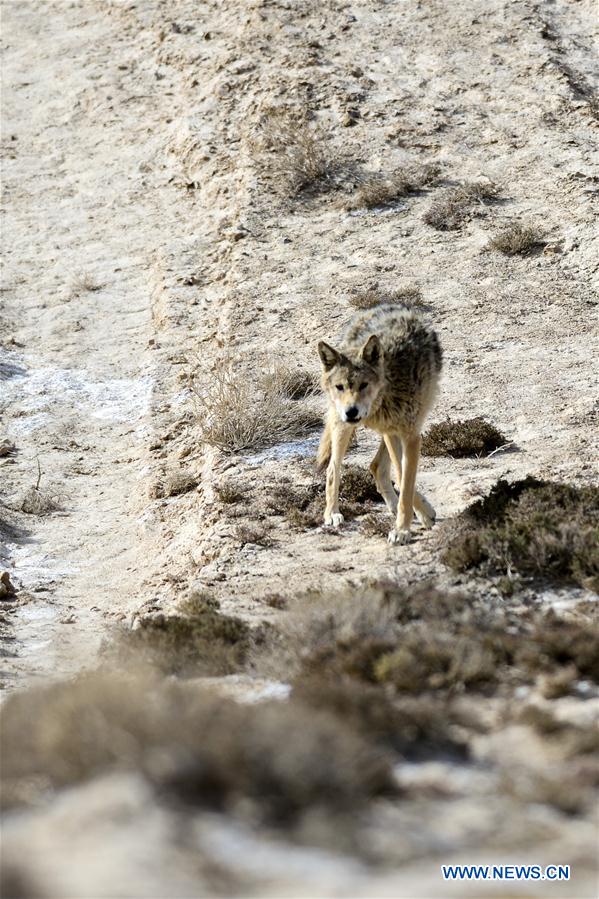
(371, 351)
(328, 356)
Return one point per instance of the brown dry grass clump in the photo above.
(198, 639)
(296, 156)
(37, 501)
(418, 729)
(517, 240)
(374, 525)
(421, 641)
(408, 295)
(242, 412)
(253, 533)
(536, 528)
(84, 282)
(304, 506)
(230, 493)
(378, 190)
(458, 439)
(272, 761)
(174, 483)
(454, 207)
(295, 383)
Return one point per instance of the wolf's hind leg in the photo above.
(381, 470)
(340, 437)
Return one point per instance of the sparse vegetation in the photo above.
(196, 639)
(377, 189)
(517, 240)
(174, 483)
(407, 295)
(454, 207)
(536, 528)
(241, 412)
(416, 641)
(195, 745)
(230, 493)
(374, 525)
(253, 532)
(84, 282)
(458, 439)
(304, 506)
(297, 156)
(295, 383)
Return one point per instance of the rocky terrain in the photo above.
(194, 195)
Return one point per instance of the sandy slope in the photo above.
(128, 156)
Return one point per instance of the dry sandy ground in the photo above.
(144, 240)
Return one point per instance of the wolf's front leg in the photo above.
(340, 438)
(408, 466)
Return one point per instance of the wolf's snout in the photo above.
(352, 413)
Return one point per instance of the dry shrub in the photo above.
(254, 533)
(374, 525)
(517, 240)
(304, 506)
(458, 439)
(295, 383)
(296, 155)
(84, 282)
(419, 640)
(377, 190)
(418, 729)
(408, 295)
(174, 483)
(230, 493)
(453, 208)
(39, 502)
(536, 528)
(197, 639)
(241, 412)
(281, 758)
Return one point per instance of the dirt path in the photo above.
(78, 242)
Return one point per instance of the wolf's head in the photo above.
(352, 384)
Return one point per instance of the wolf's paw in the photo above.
(426, 515)
(334, 519)
(399, 536)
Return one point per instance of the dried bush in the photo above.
(453, 208)
(295, 383)
(458, 439)
(229, 493)
(240, 412)
(39, 502)
(517, 240)
(254, 533)
(408, 295)
(197, 746)
(174, 483)
(374, 525)
(83, 282)
(376, 189)
(296, 155)
(197, 639)
(419, 640)
(536, 528)
(304, 506)
(418, 729)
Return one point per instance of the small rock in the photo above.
(7, 588)
(6, 448)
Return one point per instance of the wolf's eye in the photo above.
(339, 386)
(363, 385)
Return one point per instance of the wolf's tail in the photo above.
(324, 450)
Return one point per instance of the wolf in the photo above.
(384, 376)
